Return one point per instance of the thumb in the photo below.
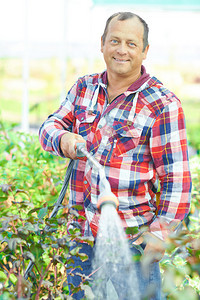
(68, 144)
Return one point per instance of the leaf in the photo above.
(77, 207)
(74, 213)
(75, 251)
(58, 259)
(47, 283)
(31, 227)
(5, 187)
(28, 255)
(33, 210)
(12, 243)
(83, 257)
(37, 251)
(88, 291)
(61, 221)
(82, 218)
(41, 161)
(3, 161)
(131, 230)
(42, 212)
(23, 233)
(5, 224)
(61, 242)
(13, 278)
(3, 276)
(88, 239)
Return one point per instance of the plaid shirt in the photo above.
(138, 138)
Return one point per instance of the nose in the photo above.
(122, 49)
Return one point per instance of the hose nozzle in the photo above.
(106, 196)
(107, 199)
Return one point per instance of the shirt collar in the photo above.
(140, 81)
(136, 85)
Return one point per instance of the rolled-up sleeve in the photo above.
(169, 151)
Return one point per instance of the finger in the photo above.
(139, 241)
(154, 255)
(68, 142)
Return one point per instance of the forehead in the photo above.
(131, 28)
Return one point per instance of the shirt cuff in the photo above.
(56, 142)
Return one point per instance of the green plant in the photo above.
(31, 180)
(181, 265)
(30, 184)
(193, 136)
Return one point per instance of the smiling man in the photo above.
(124, 51)
(135, 128)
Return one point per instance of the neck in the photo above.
(120, 82)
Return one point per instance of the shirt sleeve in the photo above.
(57, 123)
(169, 151)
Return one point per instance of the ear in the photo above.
(145, 52)
(101, 44)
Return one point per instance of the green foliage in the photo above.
(31, 180)
(181, 264)
(193, 136)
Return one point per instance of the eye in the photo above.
(131, 44)
(114, 42)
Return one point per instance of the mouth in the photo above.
(120, 60)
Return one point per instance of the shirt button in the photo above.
(82, 118)
(100, 126)
(85, 181)
(116, 101)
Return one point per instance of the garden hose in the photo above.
(56, 208)
(106, 196)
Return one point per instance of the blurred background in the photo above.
(45, 45)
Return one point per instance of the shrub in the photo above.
(31, 180)
(181, 264)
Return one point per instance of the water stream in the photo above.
(115, 278)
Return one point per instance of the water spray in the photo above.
(106, 196)
(114, 276)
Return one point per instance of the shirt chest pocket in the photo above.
(84, 121)
(128, 138)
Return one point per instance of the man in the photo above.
(135, 128)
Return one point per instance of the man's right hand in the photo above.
(68, 143)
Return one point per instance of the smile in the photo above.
(120, 60)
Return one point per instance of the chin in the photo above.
(122, 72)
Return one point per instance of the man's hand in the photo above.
(68, 143)
(155, 247)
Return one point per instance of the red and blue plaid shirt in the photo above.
(139, 138)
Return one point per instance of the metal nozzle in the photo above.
(107, 199)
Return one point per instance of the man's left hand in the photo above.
(155, 247)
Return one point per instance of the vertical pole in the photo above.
(63, 51)
(25, 75)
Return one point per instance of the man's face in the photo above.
(123, 48)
